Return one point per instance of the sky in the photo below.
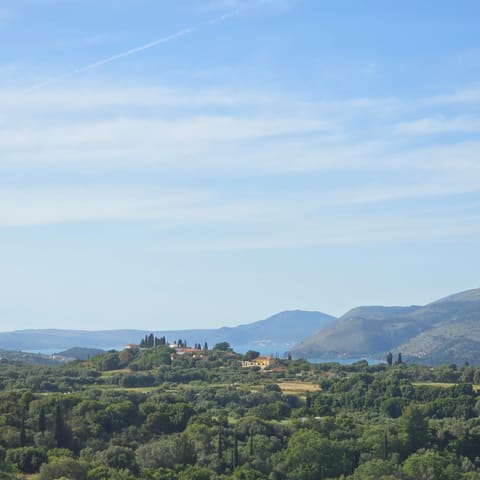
(202, 163)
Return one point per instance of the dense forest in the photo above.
(158, 413)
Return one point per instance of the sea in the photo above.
(281, 351)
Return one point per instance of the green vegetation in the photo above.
(158, 414)
(80, 353)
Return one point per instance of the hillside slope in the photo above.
(444, 331)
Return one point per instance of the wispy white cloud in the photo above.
(166, 207)
(222, 130)
(137, 141)
(350, 230)
(440, 124)
(237, 134)
(238, 224)
(81, 98)
(469, 95)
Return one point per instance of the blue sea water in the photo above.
(281, 351)
(345, 361)
(51, 351)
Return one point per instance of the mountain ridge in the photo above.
(418, 332)
(273, 330)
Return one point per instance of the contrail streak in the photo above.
(133, 51)
(224, 17)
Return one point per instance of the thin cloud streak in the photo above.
(133, 51)
(113, 58)
(440, 124)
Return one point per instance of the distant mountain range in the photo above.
(281, 331)
(445, 331)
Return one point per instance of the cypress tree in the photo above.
(385, 446)
(220, 445)
(235, 449)
(59, 427)
(42, 422)
(23, 436)
(389, 359)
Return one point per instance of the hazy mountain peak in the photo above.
(472, 295)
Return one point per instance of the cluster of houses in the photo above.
(267, 364)
(262, 362)
(177, 350)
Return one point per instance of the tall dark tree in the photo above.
(385, 446)
(23, 435)
(399, 358)
(389, 359)
(60, 428)
(42, 421)
(220, 443)
(235, 449)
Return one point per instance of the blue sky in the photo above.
(206, 163)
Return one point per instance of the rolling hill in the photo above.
(444, 331)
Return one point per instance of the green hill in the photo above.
(81, 353)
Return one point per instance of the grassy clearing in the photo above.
(109, 373)
(118, 387)
(434, 384)
(298, 387)
(476, 388)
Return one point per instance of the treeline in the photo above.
(143, 414)
(151, 341)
